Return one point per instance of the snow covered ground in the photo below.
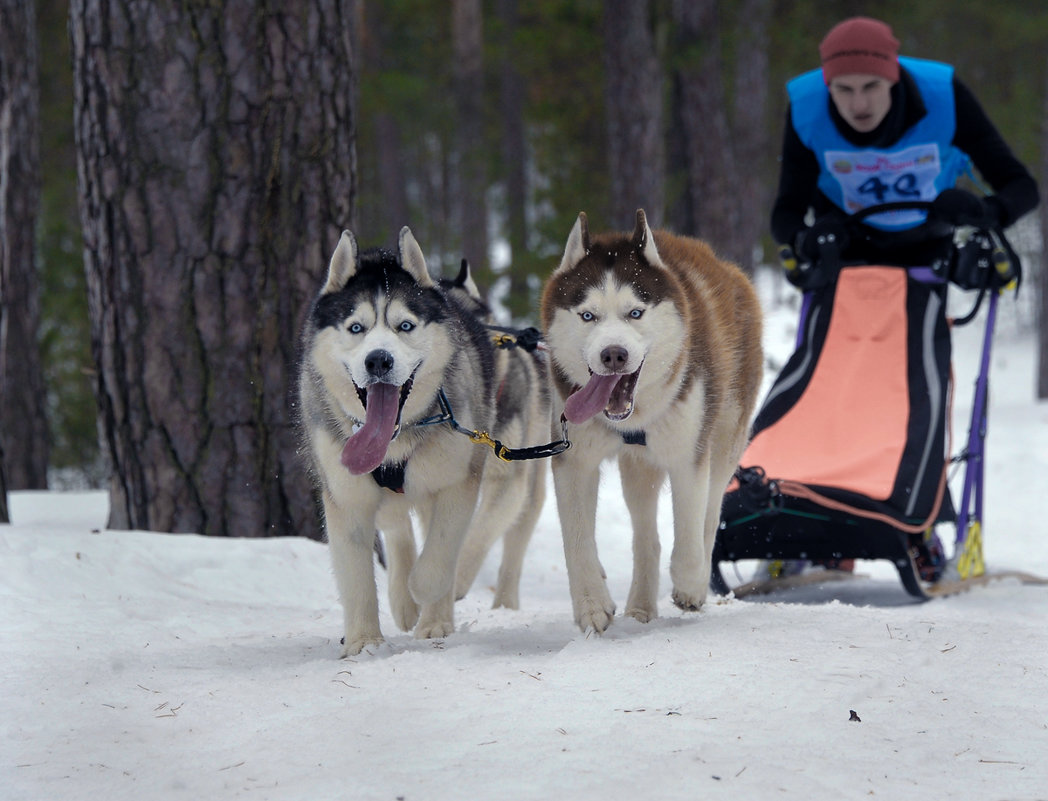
(139, 665)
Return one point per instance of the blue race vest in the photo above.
(917, 167)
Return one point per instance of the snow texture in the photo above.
(154, 666)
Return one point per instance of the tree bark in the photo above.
(23, 417)
(467, 31)
(699, 77)
(749, 129)
(383, 219)
(512, 93)
(636, 153)
(217, 170)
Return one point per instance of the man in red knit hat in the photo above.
(869, 128)
(860, 64)
(856, 127)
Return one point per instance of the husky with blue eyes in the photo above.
(387, 357)
(655, 355)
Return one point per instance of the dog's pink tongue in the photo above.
(365, 450)
(591, 399)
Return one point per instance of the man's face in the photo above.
(862, 100)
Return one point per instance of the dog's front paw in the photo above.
(433, 629)
(594, 614)
(688, 601)
(641, 613)
(506, 599)
(351, 646)
(436, 620)
(642, 604)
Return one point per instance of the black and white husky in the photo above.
(386, 355)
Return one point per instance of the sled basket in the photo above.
(848, 457)
(858, 418)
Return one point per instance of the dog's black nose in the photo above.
(614, 358)
(378, 363)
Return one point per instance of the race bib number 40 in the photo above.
(871, 177)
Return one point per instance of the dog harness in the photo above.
(391, 476)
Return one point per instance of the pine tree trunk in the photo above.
(514, 160)
(23, 401)
(381, 220)
(750, 129)
(217, 170)
(636, 153)
(467, 33)
(710, 158)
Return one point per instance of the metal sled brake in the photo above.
(848, 458)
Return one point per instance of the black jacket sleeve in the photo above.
(1015, 190)
(798, 177)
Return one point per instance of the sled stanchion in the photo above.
(972, 492)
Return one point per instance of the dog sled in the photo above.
(849, 456)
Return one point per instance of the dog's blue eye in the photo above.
(636, 314)
(406, 326)
(355, 328)
(587, 317)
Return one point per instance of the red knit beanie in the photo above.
(860, 46)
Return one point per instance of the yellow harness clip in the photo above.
(484, 438)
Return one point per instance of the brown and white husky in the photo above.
(655, 347)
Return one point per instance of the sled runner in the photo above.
(849, 453)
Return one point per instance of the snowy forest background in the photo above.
(174, 176)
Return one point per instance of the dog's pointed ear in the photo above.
(465, 280)
(412, 260)
(644, 242)
(578, 244)
(463, 276)
(343, 264)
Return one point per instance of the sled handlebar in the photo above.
(900, 205)
(993, 260)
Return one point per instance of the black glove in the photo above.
(819, 249)
(827, 236)
(961, 207)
